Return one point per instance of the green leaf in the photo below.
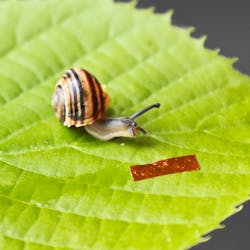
(62, 189)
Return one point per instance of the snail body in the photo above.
(79, 100)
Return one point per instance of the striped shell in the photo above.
(79, 99)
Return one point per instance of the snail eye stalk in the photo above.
(141, 112)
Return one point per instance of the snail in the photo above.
(79, 100)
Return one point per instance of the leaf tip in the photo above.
(221, 226)
(239, 208)
(190, 29)
(231, 60)
(217, 51)
(169, 13)
(234, 59)
(167, 16)
(205, 238)
(202, 40)
(133, 3)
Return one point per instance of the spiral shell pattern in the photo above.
(79, 99)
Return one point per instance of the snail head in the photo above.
(133, 127)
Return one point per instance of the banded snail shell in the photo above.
(79, 99)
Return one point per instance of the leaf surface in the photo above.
(62, 189)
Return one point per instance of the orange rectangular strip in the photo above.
(163, 167)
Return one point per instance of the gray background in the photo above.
(227, 24)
